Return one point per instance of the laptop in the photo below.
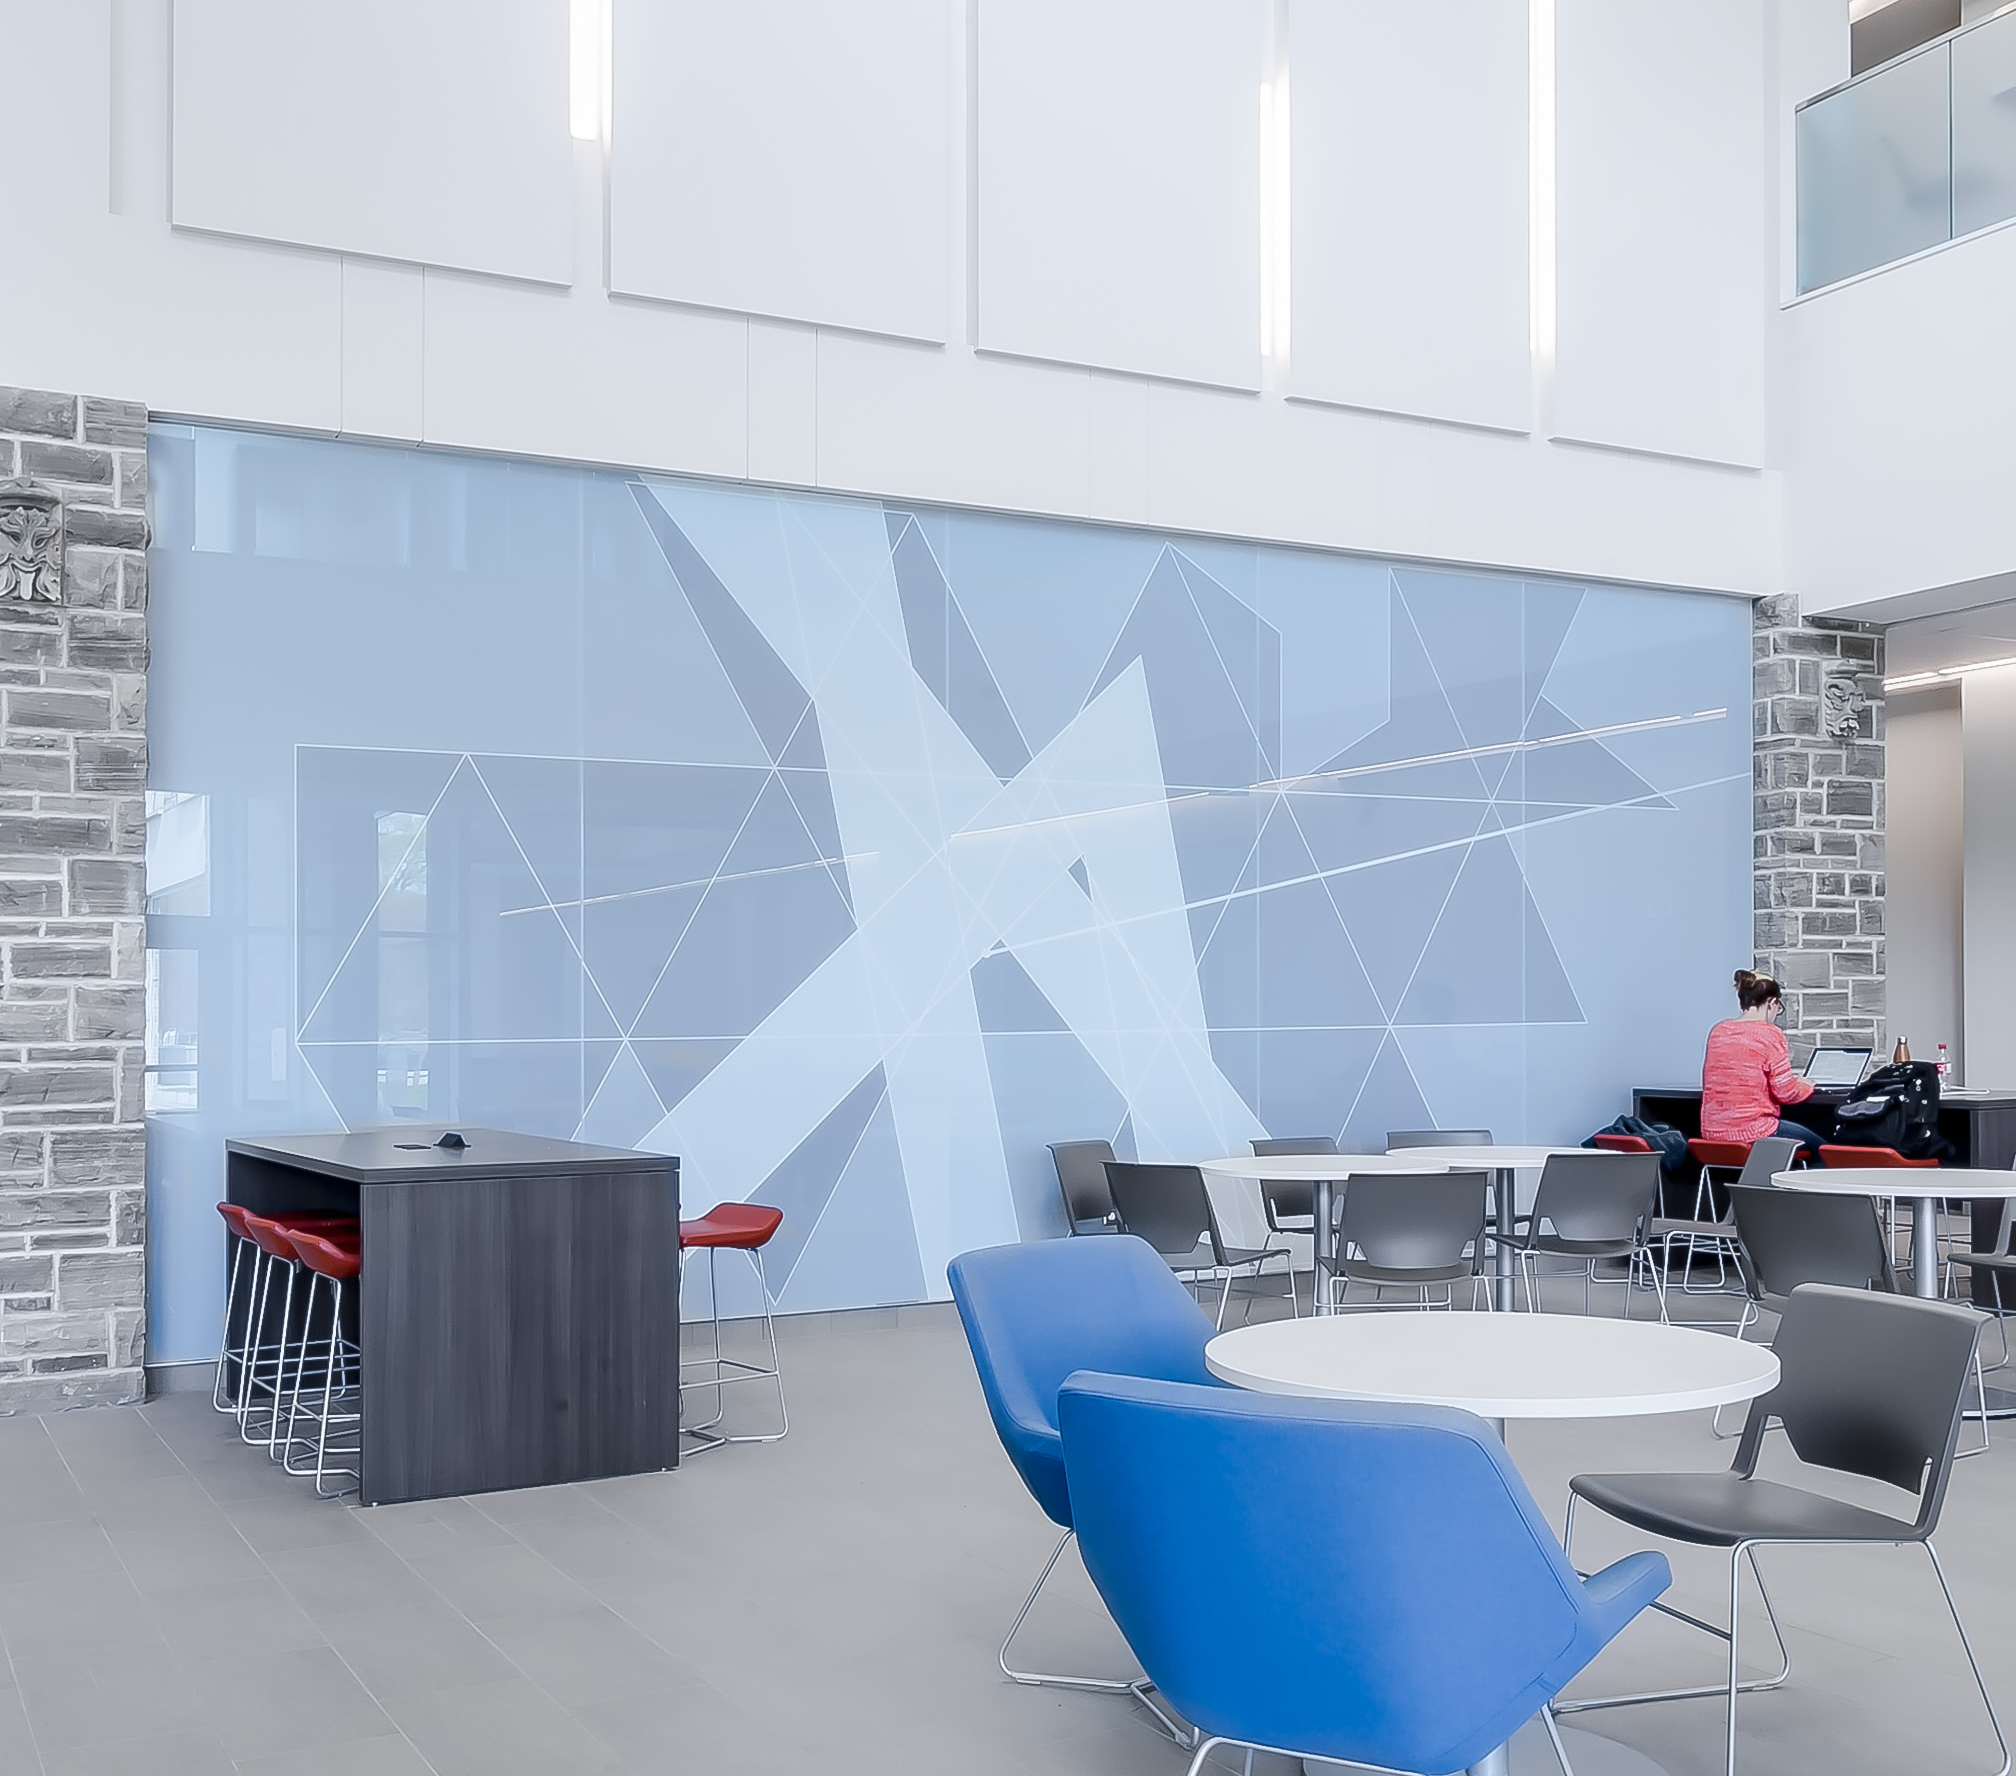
(1837, 1069)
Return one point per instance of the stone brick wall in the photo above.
(1819, 818)
(73, 771)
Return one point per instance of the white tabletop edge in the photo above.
(1907, 1181)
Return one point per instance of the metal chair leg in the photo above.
(1104, 1685)
(218, 1401)
(726, 1369)
(1967, 1647)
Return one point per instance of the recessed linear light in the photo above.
(1912, 681)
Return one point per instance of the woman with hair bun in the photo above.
(1746, 1076)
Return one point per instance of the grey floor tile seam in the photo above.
(21, 1702)
(266, 1567)
(488, 1640)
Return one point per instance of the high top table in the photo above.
(1322, 1170)
(1525, 1366)
(518, 1308)
(1502, 1161)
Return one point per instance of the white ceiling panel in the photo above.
(1119, 184)
(789, 158)
(382, 127)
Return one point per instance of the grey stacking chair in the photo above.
(1169, 1206)
(1996, 1263)
(1870, 1385)
(1398, 1138)
(1769, 1156)
(1412, 1232)
(1589, 1207)
(1081, 1176)
(1792, 1237)
(1291, 1202)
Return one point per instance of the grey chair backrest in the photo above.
(1768, 1157)
(1791, 1237)
(1869, 1384)
(1290, 1199)
(1166, 1205)
(1396, 1138)
(1081, 1176)
(1405, 1222)
(1597, 1196)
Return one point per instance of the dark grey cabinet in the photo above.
(518, 1307)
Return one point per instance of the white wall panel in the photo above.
(572, 374)
(383, 325)
(1925, 765)
(1988, 715)
(402, 129)
(1663, 267)
(785, 157)
(1119, 184)
(1410, 218)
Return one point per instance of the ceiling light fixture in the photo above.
(1913, 681)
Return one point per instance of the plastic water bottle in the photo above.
(1944, 1064)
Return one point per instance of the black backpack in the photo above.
(1896, 1107)
(1665, 1140)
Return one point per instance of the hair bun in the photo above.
(1744, 976)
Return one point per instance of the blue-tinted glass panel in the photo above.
(854, 851)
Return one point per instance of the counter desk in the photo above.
(1981, 1126)
(518, 1307)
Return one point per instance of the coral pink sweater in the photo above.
(1745, 1077)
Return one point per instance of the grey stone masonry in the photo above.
(73, 773)
(1817, 722)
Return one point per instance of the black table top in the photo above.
(1954, 1097)
(405, 1154)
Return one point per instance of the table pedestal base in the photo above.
(2001, 1403)
(1590, 1753)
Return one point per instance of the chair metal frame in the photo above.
(725, 1371)
(1530, 1246)
(1932, 1490)
(343, 1359)
(1221, 1264)
(1371, 1186)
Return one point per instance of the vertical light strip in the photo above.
(1540, 195)
(1283, 214)
(587, 68)
(1267, 219)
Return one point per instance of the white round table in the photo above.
(1923, 1187)
(1502, 1161)
(1498, 1366)
(1501, 1366)
(1322, 1170)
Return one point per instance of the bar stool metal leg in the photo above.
(223, 1399)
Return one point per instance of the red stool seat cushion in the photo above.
(1622, 1143)
(742, 1225)
(1719, 1153)
(338, 1258)
(237, 1215)
(1868, 1156)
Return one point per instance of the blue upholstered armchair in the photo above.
(1035, 1313)
(1395, 1597)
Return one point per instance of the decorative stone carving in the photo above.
(1841, 707)
(31, 543)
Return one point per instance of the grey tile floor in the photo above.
(171, 1605)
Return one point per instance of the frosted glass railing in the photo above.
(1915, 153)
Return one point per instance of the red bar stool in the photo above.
(1621, 1143)
(334, 1258)
(745, 1228)
(244, 1262)
(1867, 1157)
(262, 1363)
(1727, 1157)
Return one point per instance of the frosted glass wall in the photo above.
(854, 851)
